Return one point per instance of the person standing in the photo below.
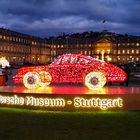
(1, 70)
(127, 70)
(2, 77)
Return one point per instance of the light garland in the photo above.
(73, 68)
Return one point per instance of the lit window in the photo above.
(114, 45)
(137, 59)
(7, 37)
(51, 52)
(128, 44)
(0, 36)
(114, 51)
(4, 37)
(98, 51)
(137, 51)
(54, 52)
(132, 43)
(128, 51)
(108, 51)
(97, 56)
(119, 51)
(137, 44)
(123, 51)
(85, 52)
(132, 51)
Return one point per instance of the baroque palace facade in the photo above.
(107, 46)
(19, 47)
(112, 47)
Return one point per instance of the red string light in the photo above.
(73, 68)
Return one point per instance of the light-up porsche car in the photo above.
(71, 68)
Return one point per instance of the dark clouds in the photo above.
(53, 17)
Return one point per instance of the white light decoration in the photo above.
(4, 62)
(95, 80)
(31, 80)
(45, 78)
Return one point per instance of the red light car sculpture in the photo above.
(73, 68)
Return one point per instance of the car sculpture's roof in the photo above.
(74, 59)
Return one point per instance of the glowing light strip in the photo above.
(77, 102)
(103, 104)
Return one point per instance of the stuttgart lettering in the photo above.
(103, 104)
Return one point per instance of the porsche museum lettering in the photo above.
(52, 102)
(11, 100)
(76, 102)
(32, 101)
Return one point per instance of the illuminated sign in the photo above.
(97, 102)
(75, 102)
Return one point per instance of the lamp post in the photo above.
(102, 53)
(77, 45)
(67, 42)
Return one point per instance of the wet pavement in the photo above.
(65, 89)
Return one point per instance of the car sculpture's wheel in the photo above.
(45, 78)
(95, 80)
(31, 80)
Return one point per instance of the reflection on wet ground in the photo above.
(72, 89)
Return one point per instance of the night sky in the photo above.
(54, 17)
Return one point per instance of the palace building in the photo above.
(107, 46)
(19, 47)
(116, 48)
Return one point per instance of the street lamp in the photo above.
(102, 53)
